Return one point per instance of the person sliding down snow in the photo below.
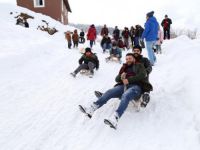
(137, 51)
(115, 52)
(130, 83)
(88, 61)
(106, 43)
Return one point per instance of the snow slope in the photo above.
(38, 98)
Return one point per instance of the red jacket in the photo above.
(91, 34)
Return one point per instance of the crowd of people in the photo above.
(132, 81)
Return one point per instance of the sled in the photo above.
(113, 59)
(85, 72)
(136, 103)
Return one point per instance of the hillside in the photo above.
(39, 99)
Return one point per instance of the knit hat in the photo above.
(137, 47)
(87, 49)
(150, 14)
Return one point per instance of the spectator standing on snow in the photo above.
(75, 38)
(91, 35)
(166, 23)
(150, 35)
(138, 35)
(68, 37)
(125, 35)
(116, 33)
(104, 31)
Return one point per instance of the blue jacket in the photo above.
(151, 29)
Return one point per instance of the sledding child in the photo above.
(88, 61)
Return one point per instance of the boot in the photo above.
(89, 111)
(73, 74)
(112, 121)
(91, 74)
(145, 99)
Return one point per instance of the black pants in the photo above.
(75, 44)
(69, 44)
(166, 33)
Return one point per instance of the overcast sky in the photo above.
(184, 13)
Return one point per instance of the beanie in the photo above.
(137, 47)
(87, 49)
(150, 14)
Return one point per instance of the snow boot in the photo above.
(73, 74)
(91, 74)
(112, 121)
(89, 111)
(98, 94)
(145, 99)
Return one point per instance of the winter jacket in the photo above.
(116, 51)
(139, 31)
(145, 61)
(68, 36)
(104, 31)
(92, 58)
(151, 29)
(166, 23)
(135, 74)
(91, 35)
(126, 34)
(116, 33)
(120, 44)
(105, 40)
(82, 34)
(75, 37)
(159, 38)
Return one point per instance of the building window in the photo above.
(39, 3)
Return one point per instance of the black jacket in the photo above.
(116, 33)
(93, 58)
(145, 61)
(166, 23)
(82, 34)
(139, 31)
(105, 40)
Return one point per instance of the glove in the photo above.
(123, 76)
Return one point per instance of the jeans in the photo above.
(136, 41)
(89, 66)
(151, 54)
(158, 49)
(106, 46)
(132, 92)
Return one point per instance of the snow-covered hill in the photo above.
(38, 98)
